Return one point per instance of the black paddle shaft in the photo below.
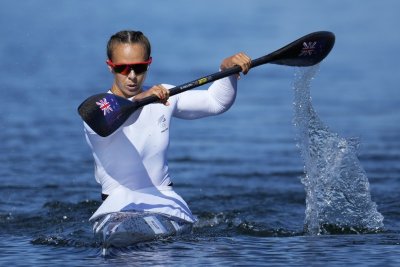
(306, 51)
(105, 113)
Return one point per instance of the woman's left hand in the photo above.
(240, 59)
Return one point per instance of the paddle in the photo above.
(105, 113)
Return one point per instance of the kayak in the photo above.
(123, 229)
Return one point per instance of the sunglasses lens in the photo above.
(139, 68)
(125, 69)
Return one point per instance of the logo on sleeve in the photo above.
(162, 123)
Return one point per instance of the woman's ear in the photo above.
(110, 69)
(109, 65)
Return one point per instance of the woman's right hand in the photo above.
(158, 90)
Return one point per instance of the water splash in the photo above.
(337, 188)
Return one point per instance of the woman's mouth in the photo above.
(131, 86)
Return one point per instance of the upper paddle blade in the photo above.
(105, 113)
(306, 51)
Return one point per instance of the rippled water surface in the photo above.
(244, 173)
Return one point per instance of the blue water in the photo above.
(242, 173)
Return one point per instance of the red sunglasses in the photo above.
(125, 68)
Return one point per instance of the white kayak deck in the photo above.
(122, 229)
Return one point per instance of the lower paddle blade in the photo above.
(105, 113)
(306, 51)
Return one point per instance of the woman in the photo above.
(131, 164)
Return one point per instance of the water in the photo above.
(241, 173)
(337, 187)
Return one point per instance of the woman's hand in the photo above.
(159, 91)
(240, 59)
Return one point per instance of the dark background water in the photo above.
(240, 172)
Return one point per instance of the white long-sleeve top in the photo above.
(135, 156)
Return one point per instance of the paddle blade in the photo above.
(306, 51)
(105, 113)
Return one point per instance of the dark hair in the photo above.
(128, 37)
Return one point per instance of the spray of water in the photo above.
(337, 189)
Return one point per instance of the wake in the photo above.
(337, 189)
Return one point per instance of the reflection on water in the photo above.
(337, 187)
